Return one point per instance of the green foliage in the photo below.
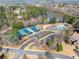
(61, 5)
(69, 19)
(52, 20)
(33, 11)
(3, 22)
(59, 47)
(2, 56)
(67, 33)
(76, 25)
(50, 42)
(5, 16)
(72, 20)
(17, 25)
(13, 36)
(2, 12)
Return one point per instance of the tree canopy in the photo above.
(33, 11)
(17, 25)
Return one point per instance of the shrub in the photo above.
(59, 47)
(50, 42)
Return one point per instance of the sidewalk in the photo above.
(14, 47)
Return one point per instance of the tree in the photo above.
(74, 21)
(61, 5)
(76, 25)
(4, 56)
(0, 47)
(33, 11)
(59, 39)
(67, 33)
(69, 19)
(52, 20)
(13, 36)
(51, 43)
(59, 47)
(4, 17)
(2, 12)
(17, 25)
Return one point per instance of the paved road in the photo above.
(26, 43)
(20, 52)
